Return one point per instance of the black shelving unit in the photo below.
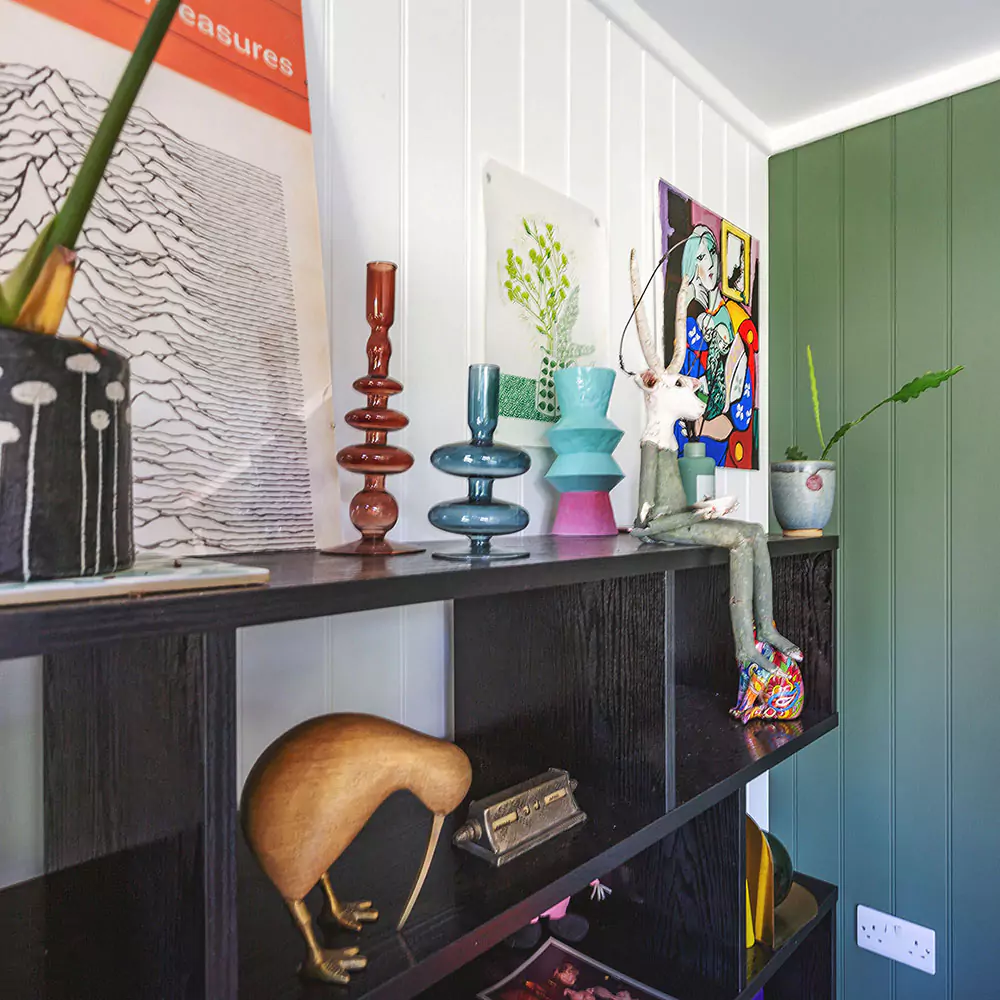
(603, 656)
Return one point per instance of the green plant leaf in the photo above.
(794, 453)
(815, 395)
(904, 394)
(64, 229)
(17, 285)
(70, 217)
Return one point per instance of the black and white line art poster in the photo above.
(200, 260)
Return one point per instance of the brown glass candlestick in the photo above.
(373, 509)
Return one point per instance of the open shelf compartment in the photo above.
(626, 683)
(671, 923)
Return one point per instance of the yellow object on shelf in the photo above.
(760, 883)
(750, 936)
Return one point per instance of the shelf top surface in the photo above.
(309, 584)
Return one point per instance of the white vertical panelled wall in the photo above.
(409, 99)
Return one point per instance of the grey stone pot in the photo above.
(802, 494)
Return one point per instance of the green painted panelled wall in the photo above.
(885, 257)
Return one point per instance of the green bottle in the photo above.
(697, 473)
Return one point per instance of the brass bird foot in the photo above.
(350, 916)
(329, 965)
(332, 965)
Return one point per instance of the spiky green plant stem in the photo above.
(64, 229)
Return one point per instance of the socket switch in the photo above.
(896, 939)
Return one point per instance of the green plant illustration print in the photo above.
(543, 287)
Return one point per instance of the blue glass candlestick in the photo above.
(479, 516)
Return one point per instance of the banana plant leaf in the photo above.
(64, 229)
(909, 391)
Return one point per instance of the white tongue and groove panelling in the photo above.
(409, 99)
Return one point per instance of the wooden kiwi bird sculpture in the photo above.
(311, 792)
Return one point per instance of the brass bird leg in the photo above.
(350, 916)
(424, 869)
(330, 965)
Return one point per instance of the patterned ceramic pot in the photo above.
(802, 494)
(65, 458)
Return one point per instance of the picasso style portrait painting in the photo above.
(711, 300)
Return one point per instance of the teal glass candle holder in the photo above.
(479, 516)
(584, 471)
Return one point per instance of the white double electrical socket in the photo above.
(897, 939)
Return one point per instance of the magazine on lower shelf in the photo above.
(557, 972)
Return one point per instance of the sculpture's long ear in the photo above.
(679, 347)
(649, 351)
(424, 869)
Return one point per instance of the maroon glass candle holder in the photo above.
(374, 510)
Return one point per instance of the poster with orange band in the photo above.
(200, 258)
(252, 50)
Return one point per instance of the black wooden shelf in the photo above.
(85, 934)
(467, 907)
(606, 657)
(716, 754)
(310, 585)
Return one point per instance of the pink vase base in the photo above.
(585, 513)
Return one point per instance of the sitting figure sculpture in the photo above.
(770, 680)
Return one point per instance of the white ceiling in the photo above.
(787, 60)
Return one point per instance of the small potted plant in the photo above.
(802, 490)
(65, 443)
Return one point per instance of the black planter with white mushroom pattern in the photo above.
(65, 458)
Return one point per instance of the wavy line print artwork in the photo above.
(184, 267)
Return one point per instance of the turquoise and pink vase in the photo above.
(584, 472)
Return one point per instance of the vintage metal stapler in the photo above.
(512, 822)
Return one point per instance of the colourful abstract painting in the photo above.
(711, 298)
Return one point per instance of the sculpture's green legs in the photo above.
(763, 587)
(648, 467)
(737, 536)
(741, 601)
(664, 514)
